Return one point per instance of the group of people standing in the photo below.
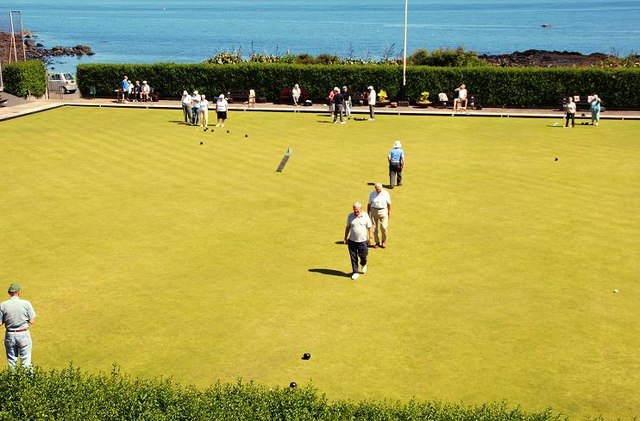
(340, 103)
(195, 109)
(134, 92)
(372, 226)
(595, 105)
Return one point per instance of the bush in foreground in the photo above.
(70, 394)
(24, 78)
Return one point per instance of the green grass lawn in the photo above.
(141, 247)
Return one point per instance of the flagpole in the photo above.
(404, 50)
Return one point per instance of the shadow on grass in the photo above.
(386, 186)
(331, 272)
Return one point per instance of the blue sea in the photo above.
(148, 31)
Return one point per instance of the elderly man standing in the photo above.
(17, 315)
(396, 164)
(195, 108)
(379, 210)
(356, 235)
(124, 89)
(371, 101)
(338, 102)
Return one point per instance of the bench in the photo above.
(285, 96)
(154, 95)
(358, 98)
(237, 95)
(473, 101)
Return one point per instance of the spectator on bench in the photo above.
(461, 99)
(295, 94)
(144, 94)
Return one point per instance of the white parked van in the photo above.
(62, 82)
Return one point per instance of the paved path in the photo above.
(24, 108)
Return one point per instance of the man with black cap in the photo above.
(17, 315)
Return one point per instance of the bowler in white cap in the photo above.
(221, 109)
(371, 101)
(195, 108)
(396, 164)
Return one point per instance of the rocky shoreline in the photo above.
(37, 51)
(542, 58)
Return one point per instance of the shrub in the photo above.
(71, 395)
(492, 86)
(446, 58)
(24, 78)
(226, 58)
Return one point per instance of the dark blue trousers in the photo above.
(357, 250)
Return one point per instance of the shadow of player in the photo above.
(331, 272)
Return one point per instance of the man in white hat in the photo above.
(371, 100)
(17, 315)
(186, 106)
(396, 164)
(221, 110)
(195, 107)
(146, 90)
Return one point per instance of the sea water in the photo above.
(149, 31)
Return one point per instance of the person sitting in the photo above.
(461, 100)
(295, 94)
(137, 91)
(130, 91)
(146, 89)
(443, 99)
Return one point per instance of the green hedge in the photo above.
(72, 395)
(25, 78)
(493, 86)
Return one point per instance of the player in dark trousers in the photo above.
(396, 164)
(338, 102)
(357, 233)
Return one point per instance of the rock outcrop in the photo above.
(542, 58)
(36, 50)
